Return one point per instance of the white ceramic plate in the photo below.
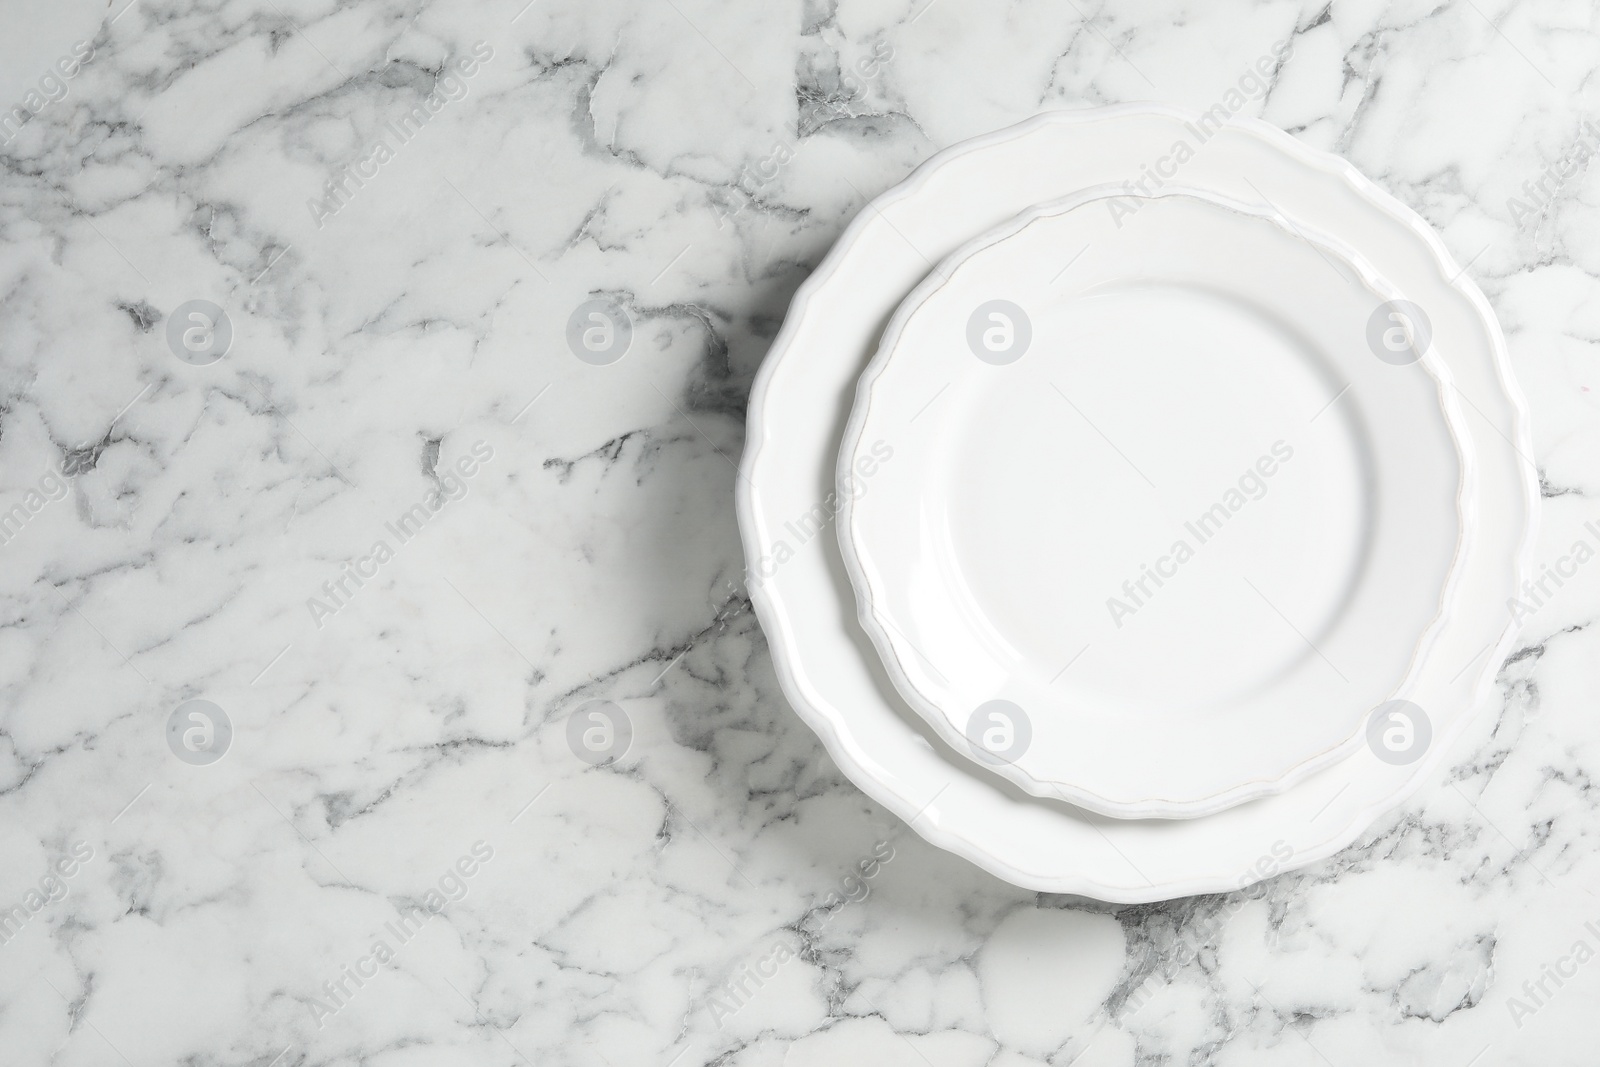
(1166, 516)
(826, 664)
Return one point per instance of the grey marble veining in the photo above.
(400, 860)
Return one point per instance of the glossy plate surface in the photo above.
(828, 667)
(1166, 514)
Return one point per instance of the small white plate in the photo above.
(1167, 516)
(827, 666)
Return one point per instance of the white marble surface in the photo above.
(405, 746)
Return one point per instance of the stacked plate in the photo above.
(1132, 502)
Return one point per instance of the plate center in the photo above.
(1164, 473)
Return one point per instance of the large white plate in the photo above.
(1166, 516)
(800, 591)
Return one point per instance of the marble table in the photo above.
(312, 458)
